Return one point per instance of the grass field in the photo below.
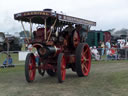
(14, 57)
(107, 78)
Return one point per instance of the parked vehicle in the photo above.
(12, 44)
(94, 37)
(9, 43)
(2, 41)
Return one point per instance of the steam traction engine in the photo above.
(60, 42)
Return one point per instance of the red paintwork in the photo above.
(47, 66)
(107, 36)
(70, 59)
(63, 68)
(76, 39)
(86, 60)
(32, 68)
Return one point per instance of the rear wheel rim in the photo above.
(31, 68)
(63, 69)
(85, 60)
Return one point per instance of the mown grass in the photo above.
(16, 59)
(108, 61)
(14, 56)
(105, 79)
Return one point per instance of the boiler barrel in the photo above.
(44, 52)
(54, 50)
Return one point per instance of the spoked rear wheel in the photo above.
(61, 67)
(30, 67)
(83, 59)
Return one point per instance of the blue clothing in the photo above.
(7, 61)
(108, 45)
(102, 52)
(37, 59)
(113, 57)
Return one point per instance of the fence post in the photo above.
(126, 52)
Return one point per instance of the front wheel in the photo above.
(83, 59)
(61, 67)
(30, 67)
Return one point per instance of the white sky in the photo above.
(107, 13)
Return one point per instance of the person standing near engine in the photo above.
(108, 45)
(99, 48)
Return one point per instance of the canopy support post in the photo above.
(45, 34)
(30, 28)
(25, 32)
(51, 30)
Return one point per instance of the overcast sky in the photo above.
(107, 14)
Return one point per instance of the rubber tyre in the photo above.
(83, 60)
(30, 67)
(61, 68)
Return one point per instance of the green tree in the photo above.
(23, 34)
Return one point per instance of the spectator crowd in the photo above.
(111, 52)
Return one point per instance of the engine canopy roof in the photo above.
(39, 16)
